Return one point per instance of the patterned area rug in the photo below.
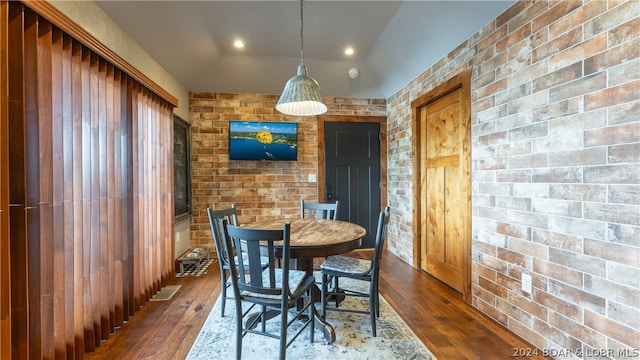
(395, 339)
(191, 269)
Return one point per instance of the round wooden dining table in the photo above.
(311, 238)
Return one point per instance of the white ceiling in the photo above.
(394, 41)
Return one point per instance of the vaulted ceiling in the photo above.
(394, 41)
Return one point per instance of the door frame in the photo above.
(382, 120)
(461, 81)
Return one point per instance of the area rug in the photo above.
(192, 269)
(395, 339)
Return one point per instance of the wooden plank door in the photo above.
(352, 173)
(445, 189)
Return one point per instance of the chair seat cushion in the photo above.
(264, 261)
(347, 265)
(296, 281)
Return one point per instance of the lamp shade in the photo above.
(301, 96)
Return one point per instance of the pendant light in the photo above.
(301, 95)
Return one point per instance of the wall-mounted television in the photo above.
(253, 140)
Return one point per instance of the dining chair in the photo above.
(315, 210)
(215, 220)
(337, 266)
(223, 253)
(271, 291)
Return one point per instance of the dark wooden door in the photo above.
(352, 173)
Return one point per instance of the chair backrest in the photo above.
(327, 211)
(270, 282)
(381, 236)
(215, 220)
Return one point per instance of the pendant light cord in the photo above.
(301, 95)
(301, 36)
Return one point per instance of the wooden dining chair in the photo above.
(335, 267)
(223, 253)
(274, 290)
(315, 210)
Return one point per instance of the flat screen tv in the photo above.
(253, 140)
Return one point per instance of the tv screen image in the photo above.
(253, 140)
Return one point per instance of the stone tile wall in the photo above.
(556, 174)
(260, 189)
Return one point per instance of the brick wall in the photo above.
(556, 174)
(260, 189)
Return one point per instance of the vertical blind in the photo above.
(5, 258)
(90, 191)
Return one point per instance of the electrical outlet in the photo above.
(526, 283)
(312, 178)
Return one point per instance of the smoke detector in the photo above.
(353, 73)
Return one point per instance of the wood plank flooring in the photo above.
(449, 327)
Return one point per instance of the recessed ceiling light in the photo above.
(348, 51)
(239, 44)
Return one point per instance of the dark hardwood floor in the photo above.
(449, 327)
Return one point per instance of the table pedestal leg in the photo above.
(327, 330)
(316, 295)
(251, 319)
